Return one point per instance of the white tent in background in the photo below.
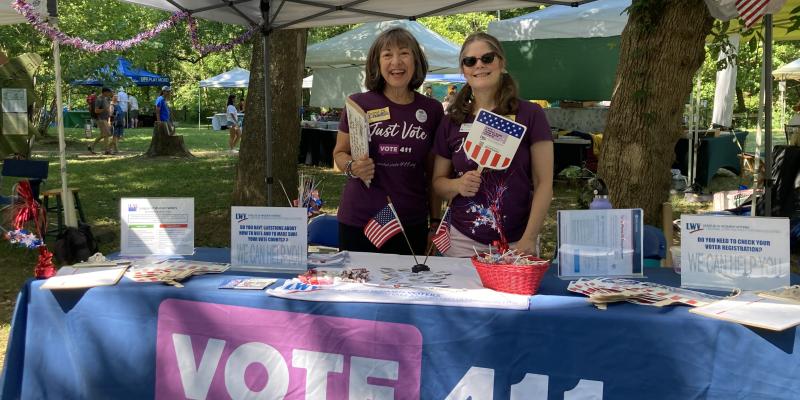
(601, 18)
(338, 62)
(235, 78)
(788, 71)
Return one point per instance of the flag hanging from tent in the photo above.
(441, 238)
(751, 10)
(383, 226)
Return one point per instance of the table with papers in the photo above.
(149, 340)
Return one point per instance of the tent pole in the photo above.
(264, 6)
(199, 91)
(66, 196)
(767, 90)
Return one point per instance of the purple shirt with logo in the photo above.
(514, 186)
(399, 146)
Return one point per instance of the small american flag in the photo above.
(441, 238)
(751, 10)
(383, 226)
(493, 140)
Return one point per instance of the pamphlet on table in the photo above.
(729, 252)
(269, 238)
(752, 310)
(157, 226)
(600, 243)
(84, 277)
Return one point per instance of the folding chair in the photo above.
(35, 171)
(324, 231)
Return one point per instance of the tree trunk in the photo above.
(165, 144)
(662, 47)
(287, 61)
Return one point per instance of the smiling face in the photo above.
(397, 66)
(482, 76)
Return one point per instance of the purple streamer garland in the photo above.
(41, 25)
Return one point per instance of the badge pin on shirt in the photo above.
(493, 140)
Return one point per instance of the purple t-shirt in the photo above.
(513, 186)
(399, 145)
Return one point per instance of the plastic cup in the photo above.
(675, 251)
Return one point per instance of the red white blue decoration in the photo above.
(493, 140)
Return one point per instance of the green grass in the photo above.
(208, 178)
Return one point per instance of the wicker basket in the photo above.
(517, 279)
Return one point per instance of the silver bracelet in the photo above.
(348, 169)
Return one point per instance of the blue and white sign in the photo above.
(269, 238)
(728, 252)
(156, 226)
(600, 243)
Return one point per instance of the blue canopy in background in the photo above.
(137, 76)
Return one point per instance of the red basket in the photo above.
(517, 279)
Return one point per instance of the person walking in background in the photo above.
(402, 124)
(90, 99)
(240, 106)
(102, 106)
(133, 109)
(163, 122)
(525, 189)
(122, 99)
(117, 124)
(429, 91)
(232, 117)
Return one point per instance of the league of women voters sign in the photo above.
(727, 252)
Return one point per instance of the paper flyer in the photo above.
(157, 226)
(600, 243)
(269, 238)
(729, 252)
(359, 129)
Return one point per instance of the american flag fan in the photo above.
(383, 226)
(441, 238)
(493, 140)
(751, 10)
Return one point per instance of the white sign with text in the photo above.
(727, 252)
(157, 226)
(269, 238)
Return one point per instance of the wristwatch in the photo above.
(348, 169)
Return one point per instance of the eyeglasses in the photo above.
(487, 58)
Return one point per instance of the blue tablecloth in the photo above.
(136, 341)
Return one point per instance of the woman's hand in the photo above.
(469, 183)
(363, 168)
(526, 246)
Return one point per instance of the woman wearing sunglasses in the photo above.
(525, 188)
(402, 123)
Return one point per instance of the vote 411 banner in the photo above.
(727, 252)
(269, 238)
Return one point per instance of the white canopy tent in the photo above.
(281, 14)
(601, 18)
(338, 62)
(235, 78)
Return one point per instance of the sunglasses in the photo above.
(487, 58)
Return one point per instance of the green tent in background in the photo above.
(564, 53)
(15, 128)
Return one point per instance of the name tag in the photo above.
(465, 127)
(512, 117)
(377, 115)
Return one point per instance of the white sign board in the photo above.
(14, 100)
(269, 238)
(727, 252)
(157, 226)
(600, 243)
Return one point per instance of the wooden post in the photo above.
(666, 226)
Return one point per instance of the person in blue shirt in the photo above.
(163, 115)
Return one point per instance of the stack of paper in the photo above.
(752, 310)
